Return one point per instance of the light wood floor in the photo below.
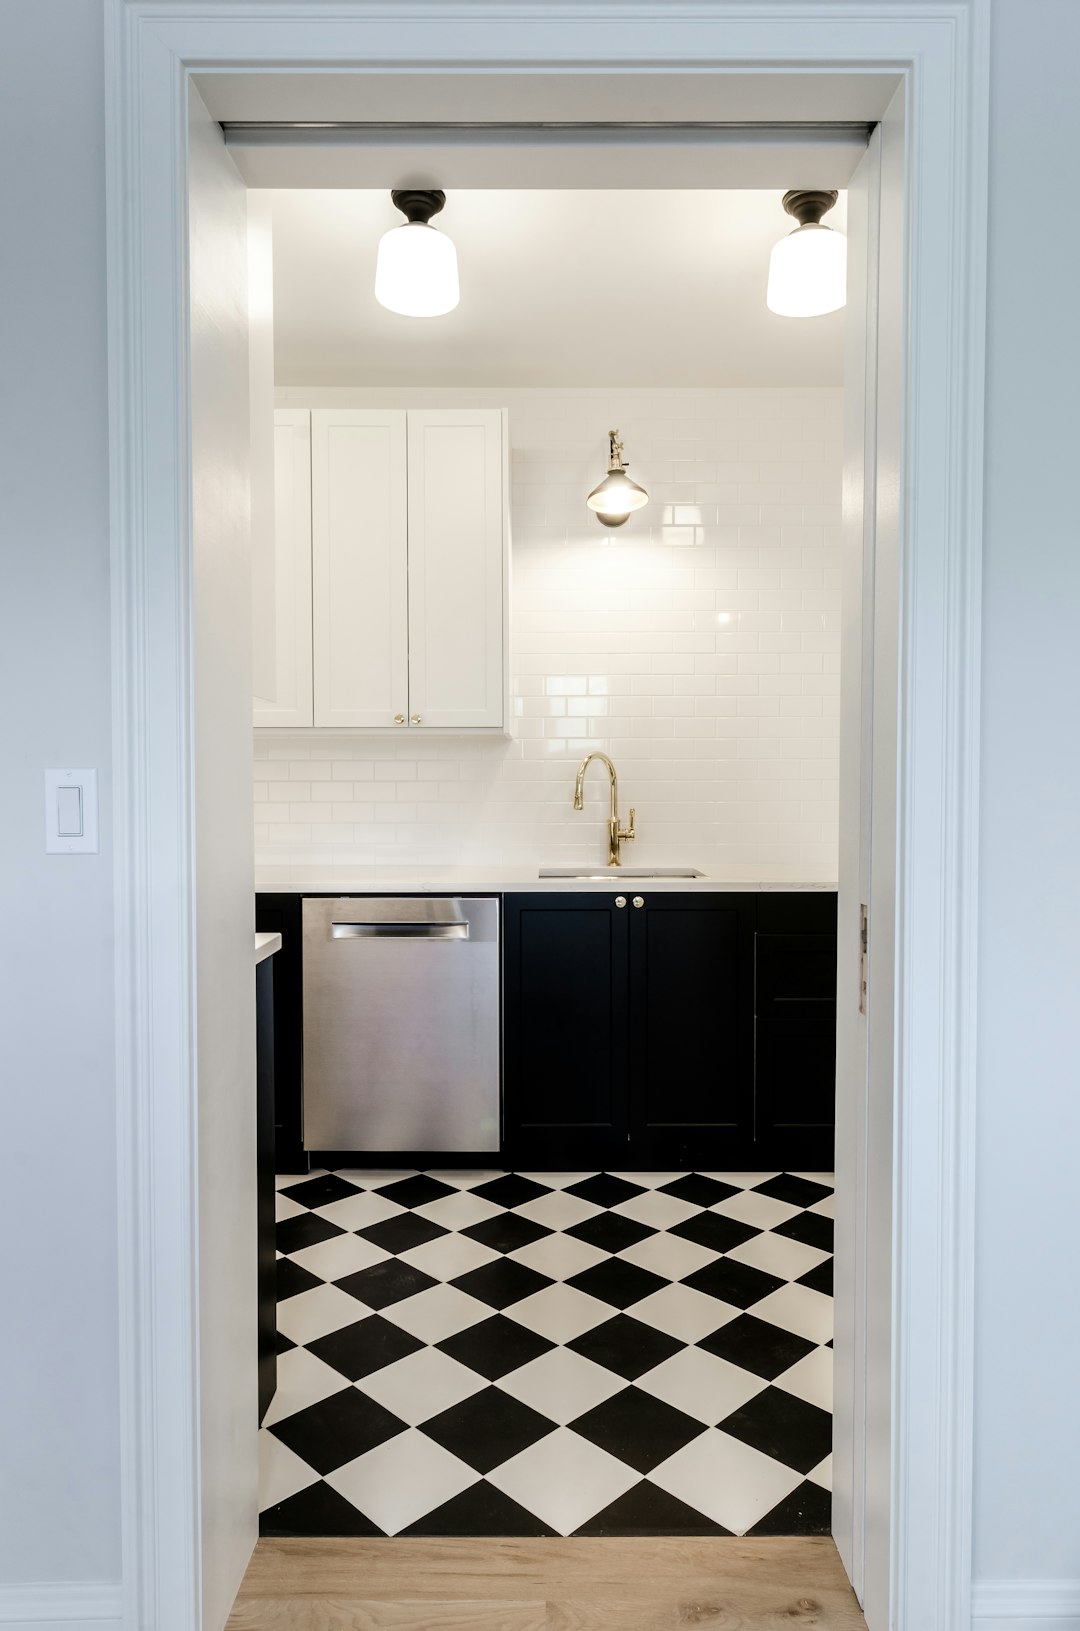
(545, 1585)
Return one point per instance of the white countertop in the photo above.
(496, 880)
(266, 945)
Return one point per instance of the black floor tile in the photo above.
(610, 1231)
(358, 1350)
(487, 1429)
(638, 1429)
(480, 1510)
(712, 1229)
(647, 1510)
(416, 1191)
(617, 1282)
(510, 1190)
(755, 1345)
(698, 1190)
(603, 1189)
(780, 1425)
(502, 1282)
(290, 1279)
(384, 1283)
(308, 1229)
(312, 1192)
(495, 1346)
(507, 1232)
(809, 1227)
(795, 1191)
(284, 1343)
(735, 1283)
(626, 1346)
(806, 1511)
(338, 1429)
(402, 1233)
(317, 1510)
(819, 1278)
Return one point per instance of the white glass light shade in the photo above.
(808, 272)
(416, 273)
(617, 496)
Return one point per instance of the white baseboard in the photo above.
(1025, 1605)
(91, 1605)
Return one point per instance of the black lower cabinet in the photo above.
(564, 1029)
(264, 1142)
(676, 1030)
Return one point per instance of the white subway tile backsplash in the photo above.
(698, 646)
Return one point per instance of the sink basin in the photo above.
(590, 873)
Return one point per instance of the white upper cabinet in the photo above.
(390, 566)
(456, 567)
(360, 587)
(281, 557)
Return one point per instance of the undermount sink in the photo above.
(588, 873)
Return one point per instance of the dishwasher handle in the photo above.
(399, 931)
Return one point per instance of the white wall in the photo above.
(1027, 1409)
(698, 645)
(59, 1489)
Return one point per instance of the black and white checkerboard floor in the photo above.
(551, 1353)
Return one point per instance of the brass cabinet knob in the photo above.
(399, 719)
(639, 900)
(620, 900)
(415, 718)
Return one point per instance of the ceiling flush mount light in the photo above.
(808, 268)
(416, 273)
(617, 497)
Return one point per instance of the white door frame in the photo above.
(940, 51)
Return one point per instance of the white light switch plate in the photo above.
(63, 788)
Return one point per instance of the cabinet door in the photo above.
(691, 1036)
(564, 1028)
(795, 1031)
(359, 570)
(281, 582)
(456, 567)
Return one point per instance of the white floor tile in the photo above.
(656, 1210)
(741, 1180)
(826, 1178)
(360, 1211)
(281, 1473)
(825, 1208)
(558, 1256)
(808, 1313)
(302, 1379)
(558, 1180)
(464, 1180)
(668, 1255)
(760, 1211)
(558, 1210)
(685, 1313)
(401, 1480)
(449, 1256)
(438, 1313)
(560, 1312)
(701, 1384)
(317, 1312)
(421, 1385)
(285, 1180)
(285, 1208)
(822, 1474)
(374, 1177)
(564, 1479)
(811, 1378)
(775, 1254)
(650, 1180)
(562, 1385)
(343, 1254)
(458, 1211)
(729, 1481)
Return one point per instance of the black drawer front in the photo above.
(795, 976)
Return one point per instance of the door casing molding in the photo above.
(939, 49)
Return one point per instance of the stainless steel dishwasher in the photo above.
(401, 1023)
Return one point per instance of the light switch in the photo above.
(71, 825)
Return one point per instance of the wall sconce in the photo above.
(617, 497)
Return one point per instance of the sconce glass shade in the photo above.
(416, 273)
(808, 272)
(616, 498)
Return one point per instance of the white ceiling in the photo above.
(578, 288)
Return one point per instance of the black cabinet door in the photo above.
(564, 1028)
(691, 1032)
(795, 1030)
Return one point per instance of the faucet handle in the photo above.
(628, 832)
